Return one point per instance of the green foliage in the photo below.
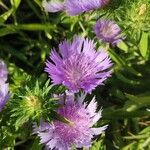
(27, 35)
(140, 141)
(98, 145)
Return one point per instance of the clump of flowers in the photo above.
(74, 7)
(4, 94)
(108, 31)
(78, 66)
(79, 132)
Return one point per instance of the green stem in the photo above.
(31, 27)
(136, 137)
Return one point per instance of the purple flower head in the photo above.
(78, 66)
(53, 5)
(75, 7)
(108, 31)
(78, 133)
(3, 71)
(4, 94)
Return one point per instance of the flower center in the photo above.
(80, 126)
(107, 31)
(33, 101)
(75, 70)
(75, 74)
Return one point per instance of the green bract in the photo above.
(33, 103)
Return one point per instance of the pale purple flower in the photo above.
(3, 71)
(4, 94)
(78, 66)
(78, 133)
(74, 7)
(108, 31)
(53, 5)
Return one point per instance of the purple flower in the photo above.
(78, 66)
(53, 6)
(3, 71)
(78, 133)
(108, 31)
(74, 7)
(4, 94)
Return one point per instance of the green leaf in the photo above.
(6, 31)
(34, 8)
(11, 29)
(98, 145)
(122, 63)
(5, 16)
(136, 102)
(123, 46)
(15, 53)
(3, 5)
(143, 45)
(39, 3)
(36, 145)
(32, 26)
(126, 80)
(15, 3)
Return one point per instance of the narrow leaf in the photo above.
(143, 45)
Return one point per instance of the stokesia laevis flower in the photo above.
(74, 7)
(79, 66)
(108, 31)
(78, 133)
(4, 94)
(53, 5)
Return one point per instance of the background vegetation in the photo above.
(27, 35)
